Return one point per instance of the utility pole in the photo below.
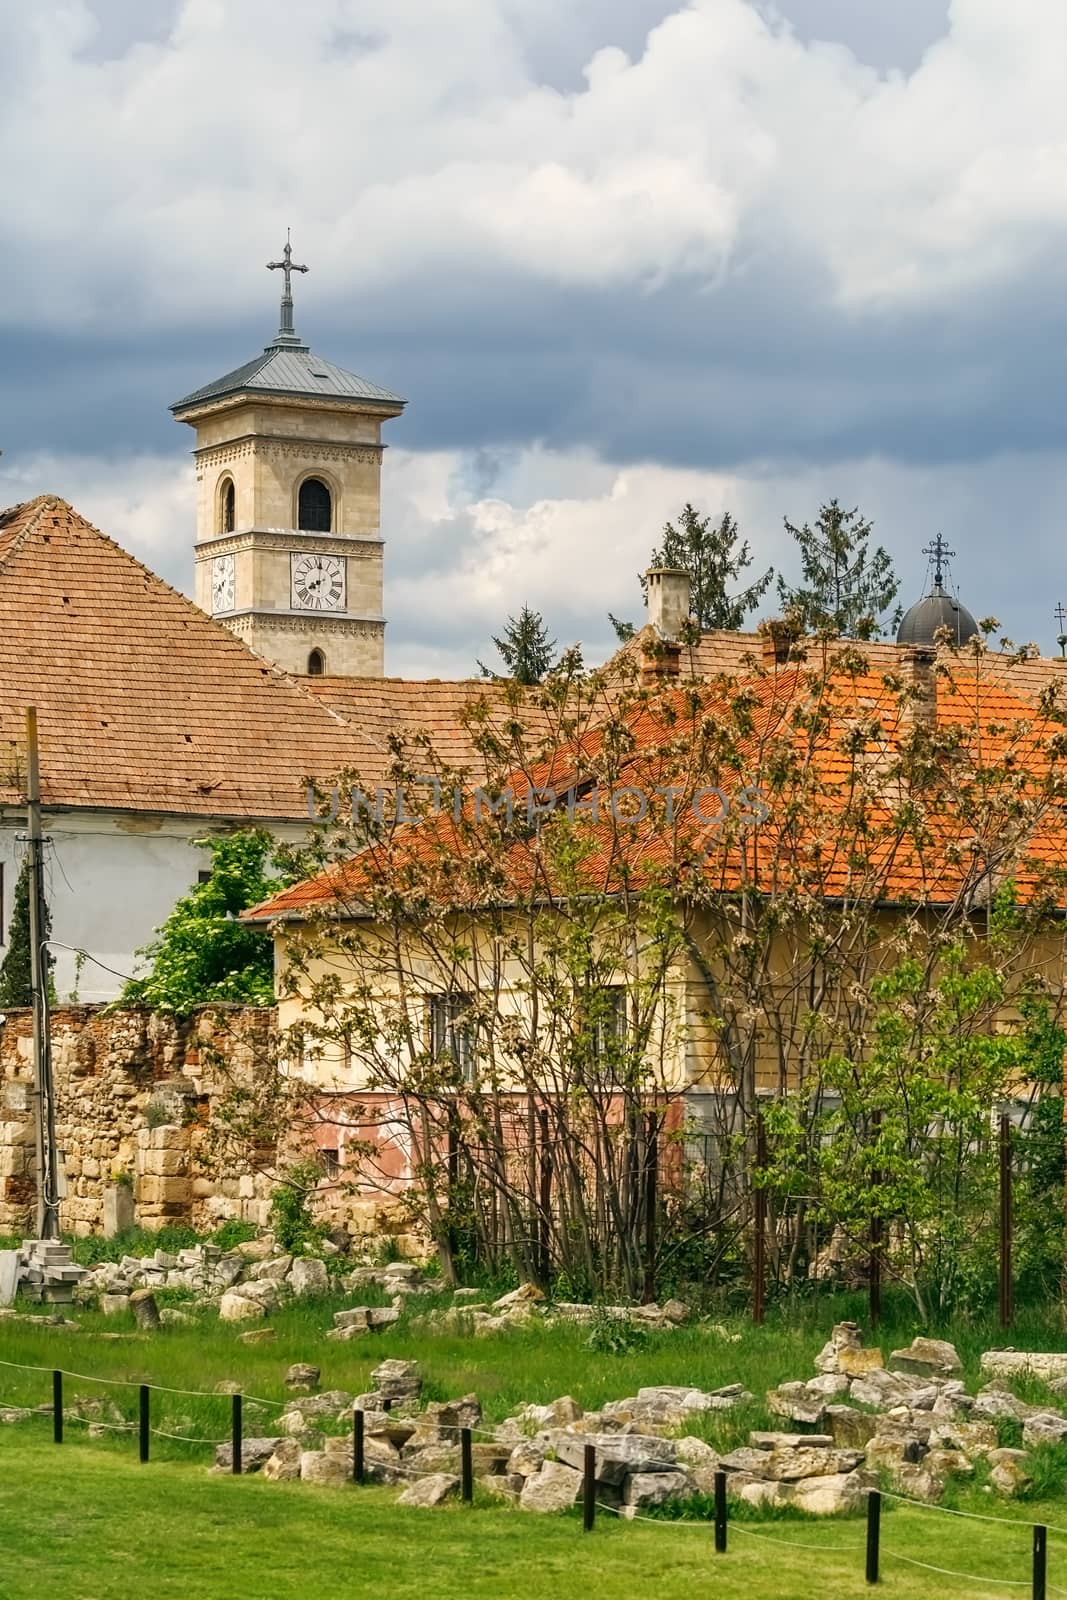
(47, 1177)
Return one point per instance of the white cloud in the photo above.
(458, 563)
(416, 133)
(146, 503)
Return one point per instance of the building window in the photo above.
(315, 507)
(450, 1032)
(204, 875)
(228, 507)
(316, 664)
(331, 1162)
(607, 1025)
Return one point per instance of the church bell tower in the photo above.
(288, 468)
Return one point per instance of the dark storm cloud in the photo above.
(750, 372)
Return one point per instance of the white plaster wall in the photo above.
(112, 878)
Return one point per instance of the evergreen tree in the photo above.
(15, 986)
(203, 951)
(844, 587)
(525, 649)
(714, 557)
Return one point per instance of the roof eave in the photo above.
(192, 408)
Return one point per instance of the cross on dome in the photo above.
(939, 552)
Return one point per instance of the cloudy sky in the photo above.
(617, 253)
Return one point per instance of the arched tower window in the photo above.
(316, 664)
(227, 507)
(315, 508)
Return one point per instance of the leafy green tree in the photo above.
(525, 649)
(845, 587)
(15, 986)
(203, 952)
(715, 558)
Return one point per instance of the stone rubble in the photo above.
(246, 1284)
(41, 1270)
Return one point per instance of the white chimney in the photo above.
(667, 598)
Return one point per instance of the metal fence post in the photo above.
(1040, 1560)
(720, 1513)
(57, 1407)
(589, 1488)
(466, 1466)
(238, 1443)
(145, 1420)
(358, 1466)
(874, 1531)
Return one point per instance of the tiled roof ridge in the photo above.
(42, 503)
(56, 502)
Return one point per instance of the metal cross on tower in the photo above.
(287, 266)
(1061, 618)
(939, 552)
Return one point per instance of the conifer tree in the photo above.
(15, 986)
(714, 557)
(844, 587)
(525, 649)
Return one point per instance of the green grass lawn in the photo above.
(87, 1521)
(89, 1524)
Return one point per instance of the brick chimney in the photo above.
(918, 706)
(778, 637)
(661, 663)
(667, 597)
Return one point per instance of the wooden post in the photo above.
(720, 1513)
(545, 1250)
(1040, 1561)
(759, 1250)
(651, 1196)
(238, 1441)
(874, 1531)
(874, 1260)
(466, 1466)
(358, 1466)
(452, 1162)
(145, 1420)
(589, 1488)
(47, 1174)
(1007, 1290)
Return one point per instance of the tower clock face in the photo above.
(318, 583)
(223, 585)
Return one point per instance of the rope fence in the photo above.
(366, 1465)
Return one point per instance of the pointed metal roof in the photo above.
(287, 366)
(288, 369)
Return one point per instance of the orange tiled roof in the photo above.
(449, 713)
(844, 734)
(721, 653)
(143, 702)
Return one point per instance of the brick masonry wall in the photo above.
(133, 1093)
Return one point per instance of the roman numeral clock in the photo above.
(318, 582)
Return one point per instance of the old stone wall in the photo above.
(133, 1095)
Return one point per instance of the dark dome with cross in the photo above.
(939, 609)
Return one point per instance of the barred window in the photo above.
(450, 1031)
(607, 1023)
